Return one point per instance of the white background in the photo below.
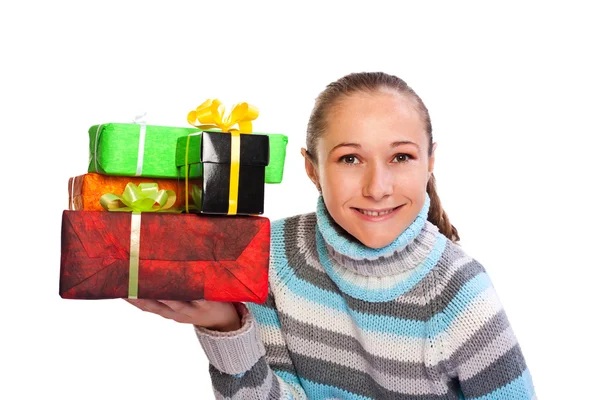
(513, 93)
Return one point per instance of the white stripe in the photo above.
(140, 159)
(270, 335)
(481, 309)
(98, 131)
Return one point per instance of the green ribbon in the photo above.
(145, 197)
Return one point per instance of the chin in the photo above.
(376, 242)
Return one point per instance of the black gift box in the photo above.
(216, 161)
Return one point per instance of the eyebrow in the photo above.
(358, 146)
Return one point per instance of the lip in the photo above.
(380, 218)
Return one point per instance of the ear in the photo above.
(310, 168)
(432, 160)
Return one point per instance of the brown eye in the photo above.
(349, 159)
(401, 158)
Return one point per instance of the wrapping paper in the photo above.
(85, 190)
(114, 149)
(181, 256)
(273, 171)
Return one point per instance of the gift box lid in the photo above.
(216, 148)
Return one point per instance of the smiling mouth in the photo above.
(378, 213)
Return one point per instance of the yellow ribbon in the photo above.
(143, 198)
(210, 115)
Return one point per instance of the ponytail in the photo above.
(437, 215)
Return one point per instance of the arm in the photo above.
(478, 343)
(252, 362)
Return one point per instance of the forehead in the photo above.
(382, 116)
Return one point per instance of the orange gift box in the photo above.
(85, 190)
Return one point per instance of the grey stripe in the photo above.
(354, 381)
(503, 371)
(445, 271)
(283, 367)
(403, 369)
(269, 302)
(397, 262)
(278, 357)
(228, 385)
(486, 334)
(290, 230)
(275, 393)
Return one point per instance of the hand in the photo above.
(212, 315)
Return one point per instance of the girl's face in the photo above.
(373, 165)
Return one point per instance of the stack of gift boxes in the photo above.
(172, 213)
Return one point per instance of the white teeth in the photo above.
(374, 213)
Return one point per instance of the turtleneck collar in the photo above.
(346, 254)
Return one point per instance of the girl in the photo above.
(370, 297)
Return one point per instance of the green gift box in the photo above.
(135, 149)
(193, 144)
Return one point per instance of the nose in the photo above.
(378, 182)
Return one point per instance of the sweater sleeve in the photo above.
(252, 362)
(479, 347)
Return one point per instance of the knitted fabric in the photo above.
(418, 319)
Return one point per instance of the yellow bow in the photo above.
(211, 114)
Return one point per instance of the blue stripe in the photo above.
(519, 389)
(321, 391)
(388, 324)
(290, 379)
(469, 291)
(264, 315)
(386, 294)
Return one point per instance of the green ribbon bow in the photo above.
(145, 197)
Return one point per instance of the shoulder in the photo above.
(460, 278)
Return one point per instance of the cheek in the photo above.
(338, 179)
(413, 178)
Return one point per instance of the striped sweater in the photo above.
(418, 319)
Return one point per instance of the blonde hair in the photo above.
(373, 82)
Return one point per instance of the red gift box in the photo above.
(181, 256)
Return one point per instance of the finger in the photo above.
(156, 307)
(186, 308)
